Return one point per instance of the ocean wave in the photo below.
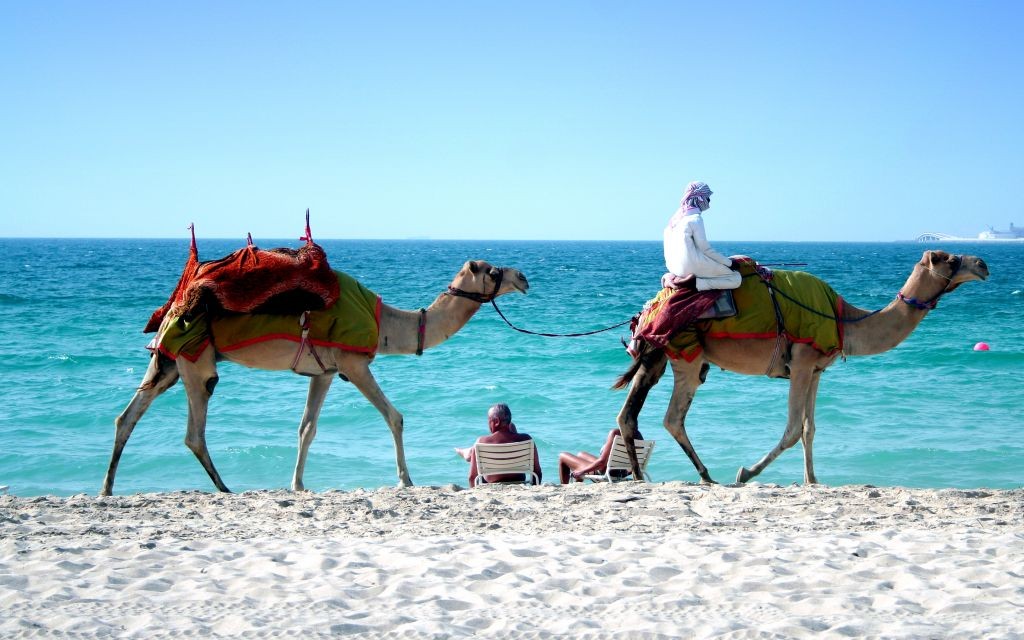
(901, 418)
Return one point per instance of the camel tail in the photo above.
(638, 361)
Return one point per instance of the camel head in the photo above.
(953, 270)
(483, 282)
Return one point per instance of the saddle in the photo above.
(784, 306)
(676, 307)
(253, 280)
(724, 306)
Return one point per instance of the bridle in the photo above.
(928, 305)
(479, 297)
(421, 329)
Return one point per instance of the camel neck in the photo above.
(399, 329)
(889, 327)
(879, 332)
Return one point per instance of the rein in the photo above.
(489, 297)
(923, 305)
(556, 335)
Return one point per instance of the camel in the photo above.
(401, 332)
(865, 333)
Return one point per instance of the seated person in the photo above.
(499, 421)
(584, 463)
(686, 247)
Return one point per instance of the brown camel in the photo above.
(401, 332)
(865, 333)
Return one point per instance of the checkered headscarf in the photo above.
(697, 194)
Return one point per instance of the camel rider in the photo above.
(687, 250)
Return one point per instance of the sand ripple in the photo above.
(585, 561)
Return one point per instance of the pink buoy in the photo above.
(981, 346)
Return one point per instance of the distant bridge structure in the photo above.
(932, 236)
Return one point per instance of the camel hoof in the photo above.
(707, 480)
(743, 475)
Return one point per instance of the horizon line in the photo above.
(428, 239)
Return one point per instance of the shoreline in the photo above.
(586, 560)
(442, 510)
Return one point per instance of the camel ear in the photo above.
(473, 267)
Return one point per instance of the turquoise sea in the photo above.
(930, 413)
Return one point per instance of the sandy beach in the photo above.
(588, 561)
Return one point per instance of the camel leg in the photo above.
(687, 377)
(364, 381)
(200, 378)
(808, 434)
(646, 376)
(161, 375)
(318, 387)
(801, 380)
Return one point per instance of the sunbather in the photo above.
(583, 463)
(499, 421)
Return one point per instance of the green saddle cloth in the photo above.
(809, 309)
(351, 324)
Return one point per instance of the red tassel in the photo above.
(309, 234)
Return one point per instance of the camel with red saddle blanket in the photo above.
(321, 357)
(778, 348)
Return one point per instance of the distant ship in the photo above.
(1015, 233)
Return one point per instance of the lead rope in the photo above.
(556, 335)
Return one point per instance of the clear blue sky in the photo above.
(821, 120)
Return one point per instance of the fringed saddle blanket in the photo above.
(252, 280)
(670, 310)
(351, 323)
(807, 305)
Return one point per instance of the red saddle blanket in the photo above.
(253, 280)
(670, 311)
(351, 324)
(809, 310)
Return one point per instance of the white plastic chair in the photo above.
(618, 460)
(511, 457)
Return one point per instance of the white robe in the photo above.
(687, 251)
